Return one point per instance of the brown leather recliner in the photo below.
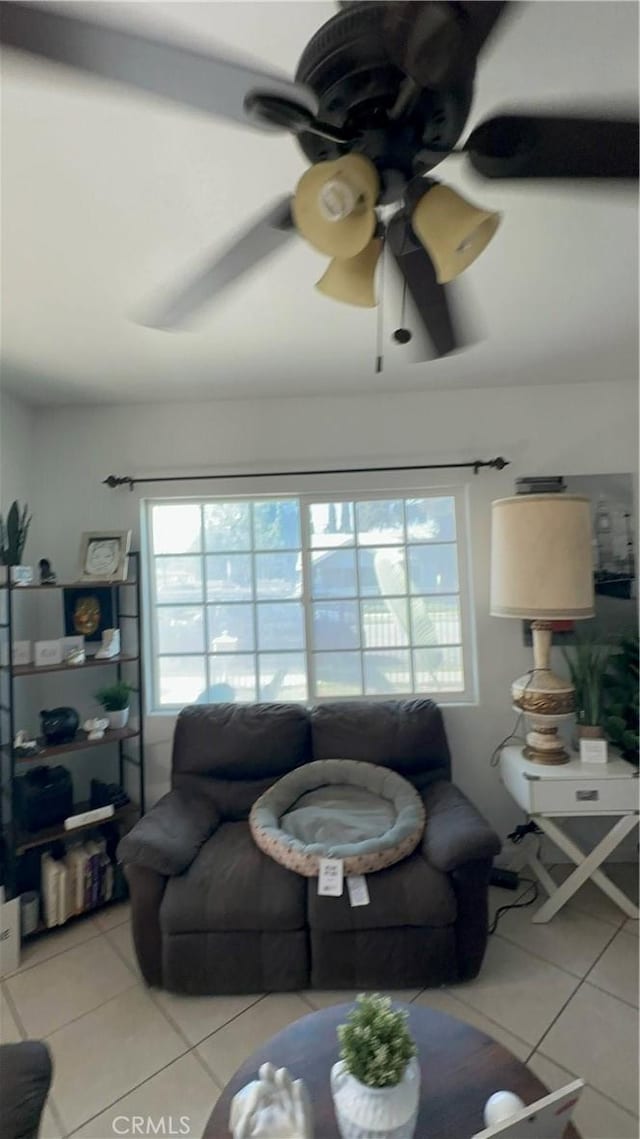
(212, 914)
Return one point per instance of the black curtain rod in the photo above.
(476, 464)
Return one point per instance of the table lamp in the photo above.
(541, 569)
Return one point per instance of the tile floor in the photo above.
(562, 997)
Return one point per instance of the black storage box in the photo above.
(44, 797)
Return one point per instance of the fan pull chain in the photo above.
(380, 313)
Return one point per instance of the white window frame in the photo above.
(306, 498)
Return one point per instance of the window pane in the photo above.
(386, 673)
(435, 621)
(331, 524)
(180, 679)
(278, 575)
(338, 674)
(276, 524)
(431, 519)
(176, 529)
(380, 523)
(281, 626)
(227, 526)
(333, 573)
(382, 571)
(180, 630)
(385, 624)
(433, 569)
(283, 676)
(237, 674)
(178, 579)
(336, 625)
(439, 670)
(230, 625)
(229, 577)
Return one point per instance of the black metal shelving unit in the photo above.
(16, 842)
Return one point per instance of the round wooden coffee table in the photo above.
(460, 1069)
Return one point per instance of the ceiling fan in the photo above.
(380, 97)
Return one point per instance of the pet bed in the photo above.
(364, 814)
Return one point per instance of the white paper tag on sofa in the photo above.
(358, 890)
(330, 877)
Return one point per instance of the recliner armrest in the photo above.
(169, 836)
(455, 832)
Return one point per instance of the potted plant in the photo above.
(621, 698)
(588, 664)
(376, 1083)
(115, 701)
(13, 538)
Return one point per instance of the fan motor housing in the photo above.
(348, 69)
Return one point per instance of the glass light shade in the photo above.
(338, 236)
(452, 230)
(352, 280)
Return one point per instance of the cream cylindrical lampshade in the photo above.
(541, 559)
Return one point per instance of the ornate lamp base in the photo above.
(546, 700)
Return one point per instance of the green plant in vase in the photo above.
(115, 699)
(587, 662)
(13, 534)
(621, 715)
(376, 1083)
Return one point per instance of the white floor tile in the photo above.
(590, 899)
(443, 1001)
(324, 998)
(177, 1101)
(518, 991)
(112, 916)
(596, 1036)
(226, 1049)
(617, 969)
(573, 940)
(631, 926)
(198, 1017)
(9, 1031)
(67, 986)
(104, 1055)
(49, 1127)
(58, 940)
(595, 1116)
(121, 938)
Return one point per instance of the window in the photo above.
(307, 598)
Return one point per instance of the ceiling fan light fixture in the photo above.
(334, 205)
(453, 231)
(351, 280)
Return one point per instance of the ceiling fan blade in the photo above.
(261, 239)
(215, 84)
(437, 42)
(554, 146)
(433, 301)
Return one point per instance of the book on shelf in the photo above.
(79, 881)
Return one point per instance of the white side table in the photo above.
(574, 790)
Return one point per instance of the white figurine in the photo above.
(110, 646)
(500, 1107)
(75, 656)
(272, 1107)
(95, 728)
(23, 743)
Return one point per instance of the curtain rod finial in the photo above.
(114, 480)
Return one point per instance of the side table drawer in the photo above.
(582, 796)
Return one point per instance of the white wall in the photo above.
(557, 429)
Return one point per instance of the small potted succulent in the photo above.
(115, 701)
(588, 663)
(376, 1083)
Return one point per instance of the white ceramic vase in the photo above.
(118, 719)
(376, 1113)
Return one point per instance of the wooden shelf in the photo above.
(90, 662)
(26, 840)
(66, 585)
(80, 742)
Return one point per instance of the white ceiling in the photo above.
(107, 196)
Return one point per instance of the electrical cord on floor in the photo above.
(520, 904)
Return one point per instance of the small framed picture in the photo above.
(47, 652)
(104, 555)
(87, 611)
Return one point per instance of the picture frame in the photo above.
(104, 555)
(88, 610)
(47, 653)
